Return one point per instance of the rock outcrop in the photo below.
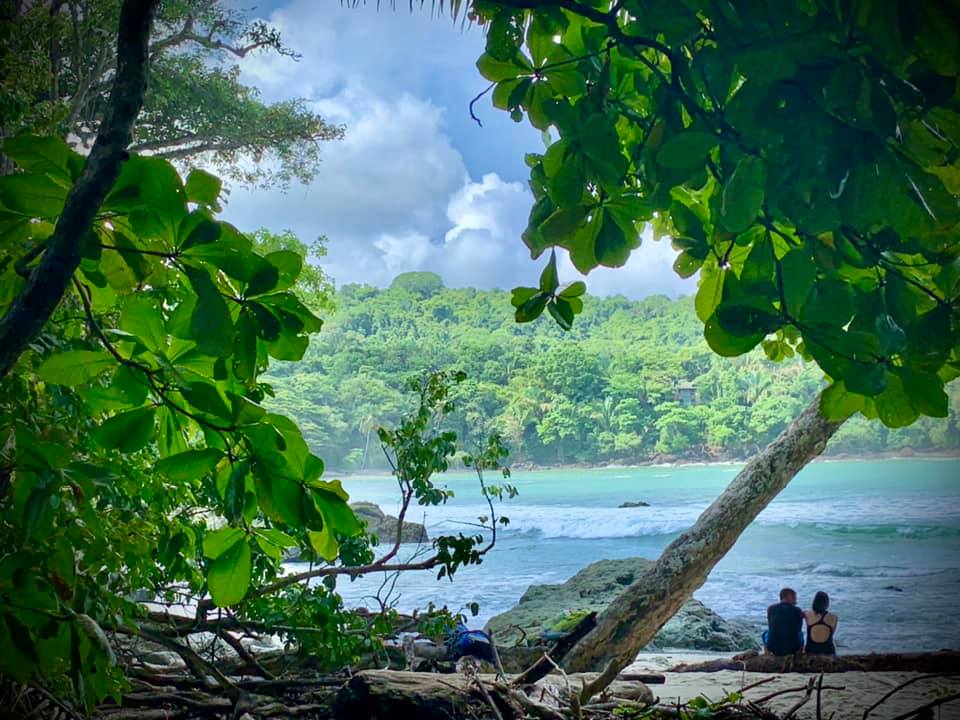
(551, 608)
(633, 504)
(385, 526)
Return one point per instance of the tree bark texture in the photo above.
(48, 283)
(632, 620)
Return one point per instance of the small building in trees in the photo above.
(685, 394)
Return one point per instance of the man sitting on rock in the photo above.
(785, 621)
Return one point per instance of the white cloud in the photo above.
(396, 194)
(648, 271)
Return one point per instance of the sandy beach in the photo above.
(859, 689)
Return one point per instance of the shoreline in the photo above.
(898, 455)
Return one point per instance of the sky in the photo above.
(415, 184)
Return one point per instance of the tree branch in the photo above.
(29, 312)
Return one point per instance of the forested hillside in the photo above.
(632, 381)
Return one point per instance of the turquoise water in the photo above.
(857, 529)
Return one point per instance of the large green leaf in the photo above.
(44, 155)
(128, 431)
(837, 404)
(743, 194)
(497, 70)
(75, 367)
(202, 187)
(189, 465)
(726, 343)
(710, 291)
(210, 324)
(143, 317)
(218, 542)
(207, 398)
(324, 543)
(228, 576)
(686, 148)
(35, 196)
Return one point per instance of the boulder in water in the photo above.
(633, 504)
(550, 608)
(385, 526)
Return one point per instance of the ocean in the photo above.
(882, 537)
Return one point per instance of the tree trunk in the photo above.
(632, 620)
(31, 309)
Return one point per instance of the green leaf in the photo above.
(216, 543)
(207, 398)
(548, 278)
(562, 312)
(202, 187)
(727, 344)
(686, 148)
(566, 185)
(75, 367)
(245, 348)
(743, 194)
(288, 500)
(799, 273)
(35, 196)
(210, 324)
(562, 223)
(926, 393)
(520, 295)
(228, 577)
(236, 258)
(288, 265)
(892, 337)
(288, 303)
(865, 379)
(324, 543)
(574, 290)
(189, 465)
(128, 431)
(142, 317)
(498, 70)
(532, 308)
(894, 406)
(710, 291)
(44, 155)
(613, 246)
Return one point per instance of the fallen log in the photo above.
(932, 662)
(383, 694)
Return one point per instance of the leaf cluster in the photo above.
(134, 436)
(803, 158)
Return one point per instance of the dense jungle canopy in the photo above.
(632, 381)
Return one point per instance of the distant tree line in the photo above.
(616, 388)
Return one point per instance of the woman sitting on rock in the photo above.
(821, 626)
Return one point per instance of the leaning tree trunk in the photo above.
(631, 621)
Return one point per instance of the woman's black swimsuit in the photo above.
(821, 648)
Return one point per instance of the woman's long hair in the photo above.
(821, 601)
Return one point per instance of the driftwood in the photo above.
(382, 694)
(936, 662)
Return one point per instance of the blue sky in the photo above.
(415, 184)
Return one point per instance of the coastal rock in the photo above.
(551, 609)
(385, 526)
(379, 523)
(633, 504)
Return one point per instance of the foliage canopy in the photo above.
(803, 157)
(57, 63)
(136, 454)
